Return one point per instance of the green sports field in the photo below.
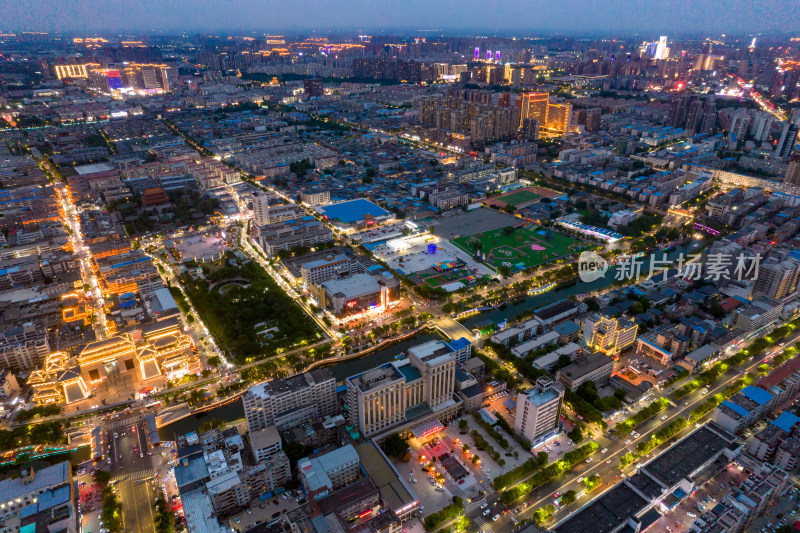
(519, 197)
(520, 248)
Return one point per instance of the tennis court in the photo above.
(521, 247)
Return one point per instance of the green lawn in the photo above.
(519, 197)
(520, 246)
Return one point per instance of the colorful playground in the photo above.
(520, 247)
(447, 272)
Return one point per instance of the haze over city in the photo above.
(399, 267)
(577, 18)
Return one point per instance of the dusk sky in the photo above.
(522, 17)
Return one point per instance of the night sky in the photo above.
(521, 17)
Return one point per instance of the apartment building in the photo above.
(609, 335)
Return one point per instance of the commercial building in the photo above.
(607, 334)
(315, 196)
(329, 267)
(395, 492)
(410, 391)
(357, 292)
(280, 236)
(264, 213)
(595, 367)
(287, 402)
(538, 410)
(650, 348)
(758, 315)
(353, 214)
(461, 349)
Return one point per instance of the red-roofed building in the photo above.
(729, 304)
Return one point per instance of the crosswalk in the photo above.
(123, 422)
(133, 476)
(480, 522)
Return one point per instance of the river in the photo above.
(235, 411)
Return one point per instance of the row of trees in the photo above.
(550, 472)
(482, 444)
(626, 426)
(525, 469)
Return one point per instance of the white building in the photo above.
(538, 410)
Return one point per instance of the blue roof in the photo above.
(353, 210)
(757, 394)
(458, 344)
(736, 408)
(786, 421)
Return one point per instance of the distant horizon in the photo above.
(523, 18)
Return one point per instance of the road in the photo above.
(606, 465)
(132, 470)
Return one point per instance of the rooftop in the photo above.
(46, 477)
(353, 210)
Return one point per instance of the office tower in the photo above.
(313, 87)
(787, 140)
(488, 54)
(534, 105)
(662, 50)
(287, 402)
(538, 410)
(608, 335)
(559, 118)
(793, 171)
(477, 53)
(777, 279)
(497, 56)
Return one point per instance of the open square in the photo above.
(519, 247)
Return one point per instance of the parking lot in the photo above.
(411, 254)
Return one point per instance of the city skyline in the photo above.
(521, 19)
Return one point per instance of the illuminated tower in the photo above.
(534, 105)
(497, 55)
(488, 55)
(477, 52)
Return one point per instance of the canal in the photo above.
(235, 411)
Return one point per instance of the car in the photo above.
(249, 512)
(627, 441)
(691, 515)
(608, 462)
(664, 417)
(588, 459)
(495, 518)
(604, 450)
(484, 505)
(116, 435)
(237, 520)
(487, 512)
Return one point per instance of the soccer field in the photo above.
(519, 197)
(520, 248)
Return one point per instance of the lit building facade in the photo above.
(538, 410)
(608, 335)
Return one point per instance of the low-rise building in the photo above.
(595, 367)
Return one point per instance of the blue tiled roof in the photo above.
(786, 421)
(736, 408)
(757, 394)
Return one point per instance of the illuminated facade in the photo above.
(390, 395)
(138, 77)
(534, 105)
(559, 118)
(74, 71)
(157, 349)
(609, 335)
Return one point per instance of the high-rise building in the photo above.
(793, 171)
(787, 140)
(777, 279)
(313, 87)
(384, 397)
(662, 50)
(534, 105)
(287, 402)
(538, 410)
(559, 118)
(609, 335)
